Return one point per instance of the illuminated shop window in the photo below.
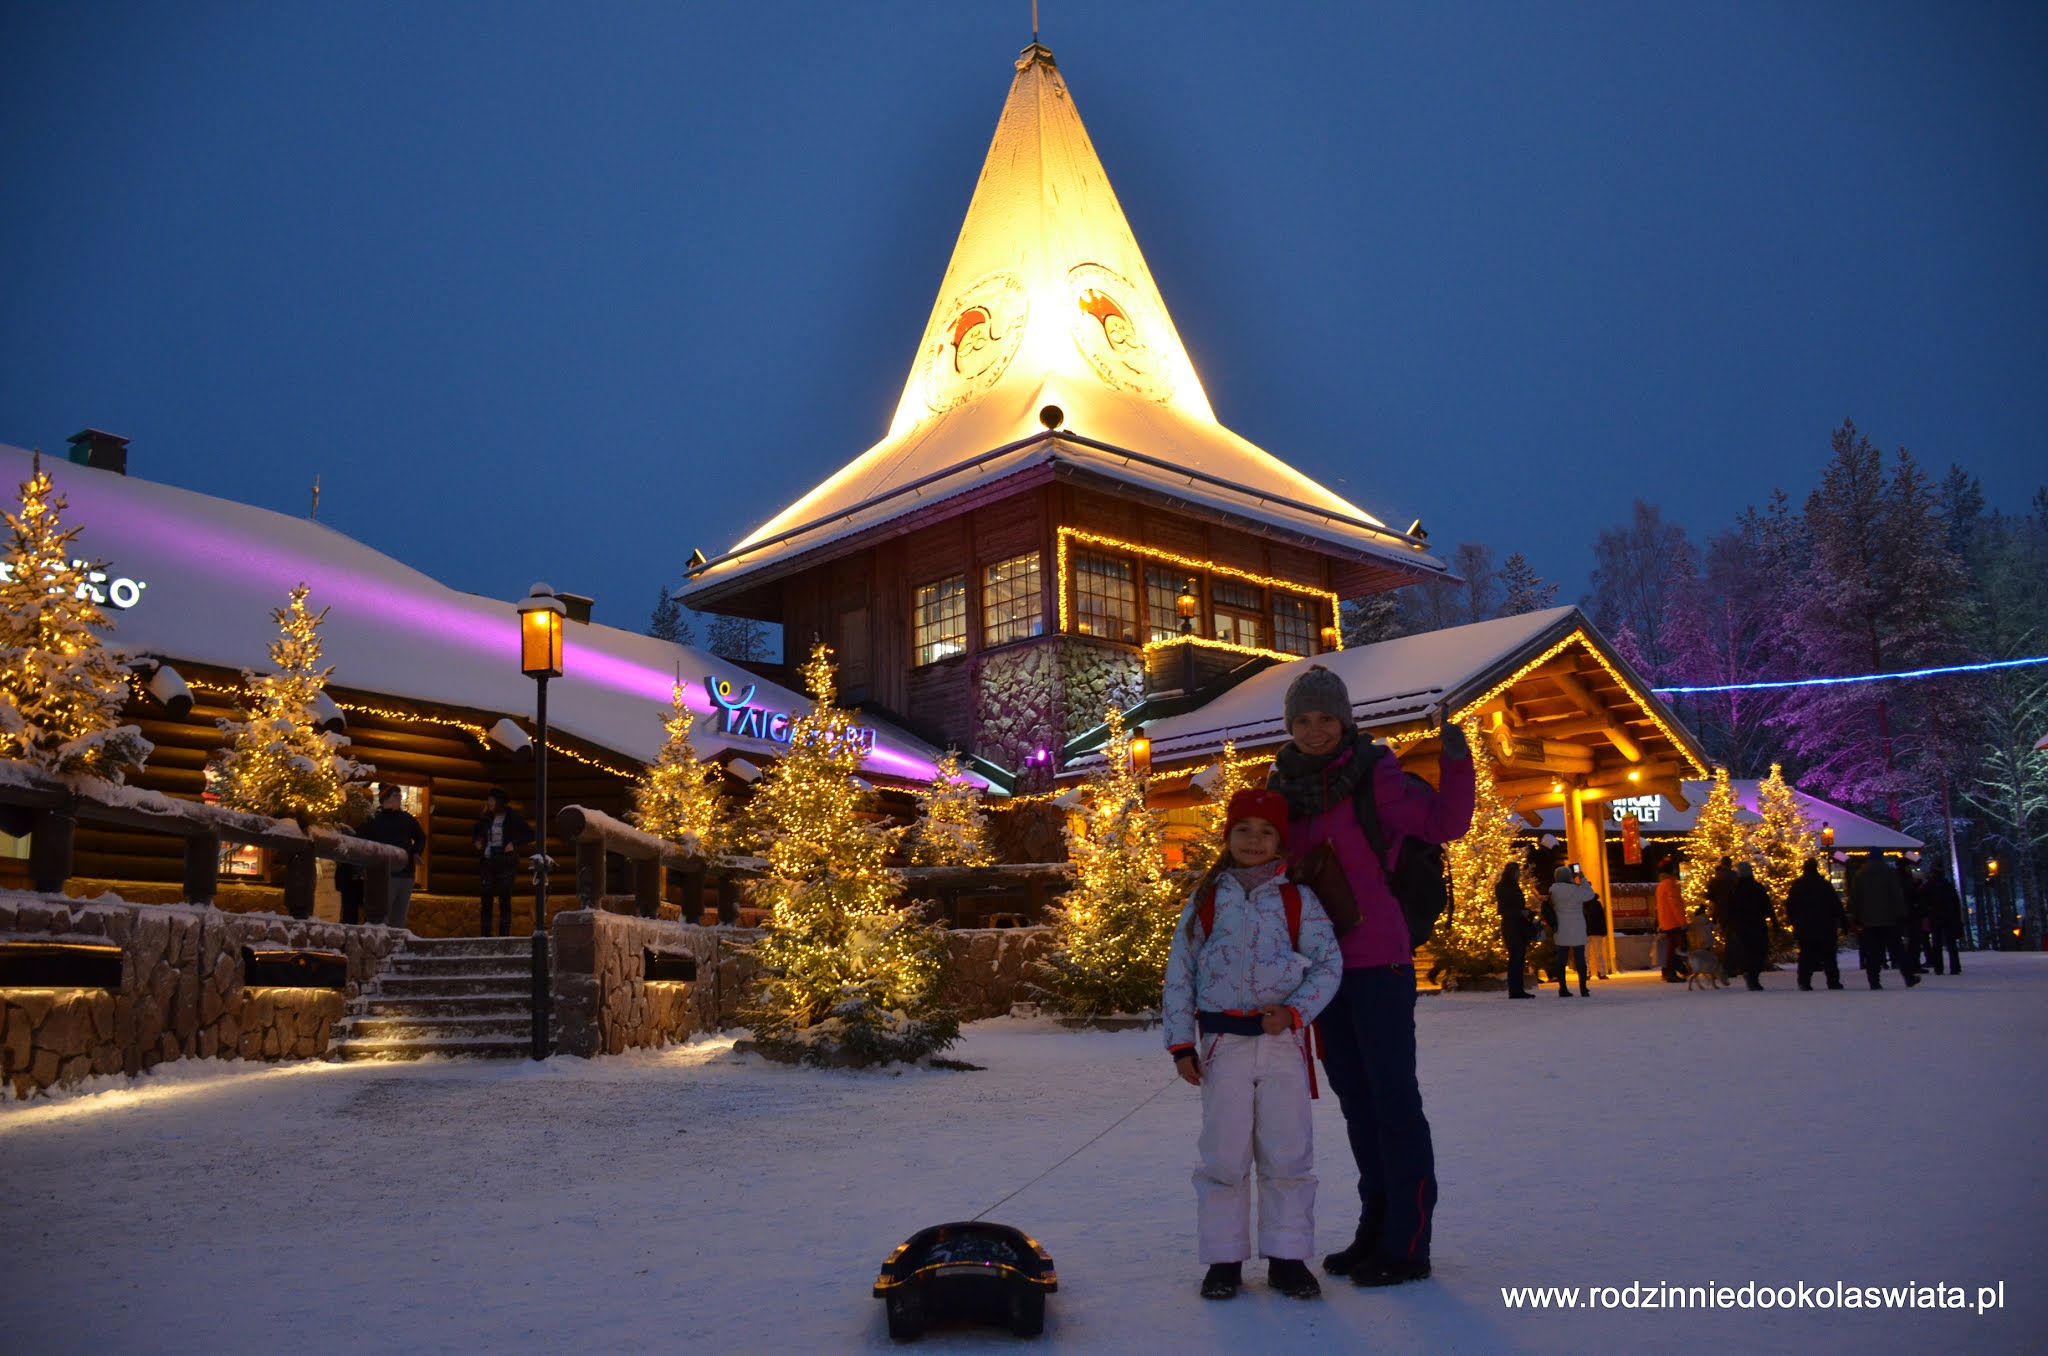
(1012, 605)
(941, 620)
(1105, 597)
(1240, 612)
(1294, 624)
(1162, 591)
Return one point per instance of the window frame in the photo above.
(1033, 599)
(926, 634)
(1077, 569)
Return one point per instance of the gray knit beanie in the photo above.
(1318, 689)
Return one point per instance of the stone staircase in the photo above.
(469, 996)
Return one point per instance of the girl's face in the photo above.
(1316, 732)
(1253, 842)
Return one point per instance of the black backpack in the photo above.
(1418, 879)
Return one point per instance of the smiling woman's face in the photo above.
(1316, 732)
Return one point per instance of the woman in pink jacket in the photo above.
(1368, 1030)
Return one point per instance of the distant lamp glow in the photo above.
(540, 633)
(1827, 835)
(1991, 868)
(1635, 776)
(1331, 636)
(1141, 755)
(1186, 605)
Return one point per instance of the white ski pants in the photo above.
(1255, 1109)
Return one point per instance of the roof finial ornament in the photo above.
(1037, 51)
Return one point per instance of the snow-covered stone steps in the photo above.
(395, 1004)
(467, 996)
(458, 1029)
(451, 985)
(483, 1047)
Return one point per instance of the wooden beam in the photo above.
(1582, 697)
(1548, 754)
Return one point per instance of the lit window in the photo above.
(1240, 612)
(941, 627)
(1294, 624)
(1162, 593)
(1105, 597)
(1012, 607)
(236, 859)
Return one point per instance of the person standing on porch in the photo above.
(1334, 781)
(392, 825)
(499, 836)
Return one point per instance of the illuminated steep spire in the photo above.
(1046, 279)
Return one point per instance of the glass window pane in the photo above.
(941, 620)
(1162, 594)
(1294, 624)
(1012, 605)
(1105, 597)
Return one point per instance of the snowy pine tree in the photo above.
(279, 761)
(1467, 940)
(1112, 930)
(1522, 589)
(1782, 841)
(846, 975)
(1882, 593)
(1220, 781)
(1369, 620)
(1715, 834)
(677, 796)
(951, 828)
(740, 639)
(668, 621)
(61, 688)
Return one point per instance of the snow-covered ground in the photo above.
(696, 1200)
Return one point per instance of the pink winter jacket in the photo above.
(1407, 810)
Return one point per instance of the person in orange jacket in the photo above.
(1671, 922)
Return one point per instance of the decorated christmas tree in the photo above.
(1220, 781)
(1112, 930)
(61, 688)
(677, 796)
(1467, 941)
(1715, 835)
(1783, 840)
(279, 761)
(846, 976)
(951, 829)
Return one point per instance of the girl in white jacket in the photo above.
(1254, 960)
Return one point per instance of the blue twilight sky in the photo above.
(564, 290)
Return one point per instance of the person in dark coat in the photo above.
(1878, 906)
(391, 824)
(1945, 914)
(1749, 921)
(1916, 914)
(498, 837)
(1720, 889)
(1817, 920)
(1515, 927)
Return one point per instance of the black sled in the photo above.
(967, 1272)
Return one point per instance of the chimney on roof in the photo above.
(577, 605)
(93, 447)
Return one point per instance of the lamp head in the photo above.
(540, 633)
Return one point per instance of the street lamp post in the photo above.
(540, 658)
(1184, 607)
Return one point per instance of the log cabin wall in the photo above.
(406, 742)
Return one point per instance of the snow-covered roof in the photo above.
(1391, 682)
(196, 578)
(1853, 833)
(1047, 301)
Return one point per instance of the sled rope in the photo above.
(1078, 1152)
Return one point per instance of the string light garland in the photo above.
(1578, 636)
(951, 828)
(1152, 647)
(677, 798)
(1861, 677)
(1086, 538)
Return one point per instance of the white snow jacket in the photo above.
(1246, 962)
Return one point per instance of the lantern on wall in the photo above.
(1330, 637)
(1185, 606)
(1141, 755)
(1827, 835)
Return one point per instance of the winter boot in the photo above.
(1563, 992)
(1223, 1280)
(1292, 1278)
(1378, 1271)
(1340, 1263)
(1584, 992)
